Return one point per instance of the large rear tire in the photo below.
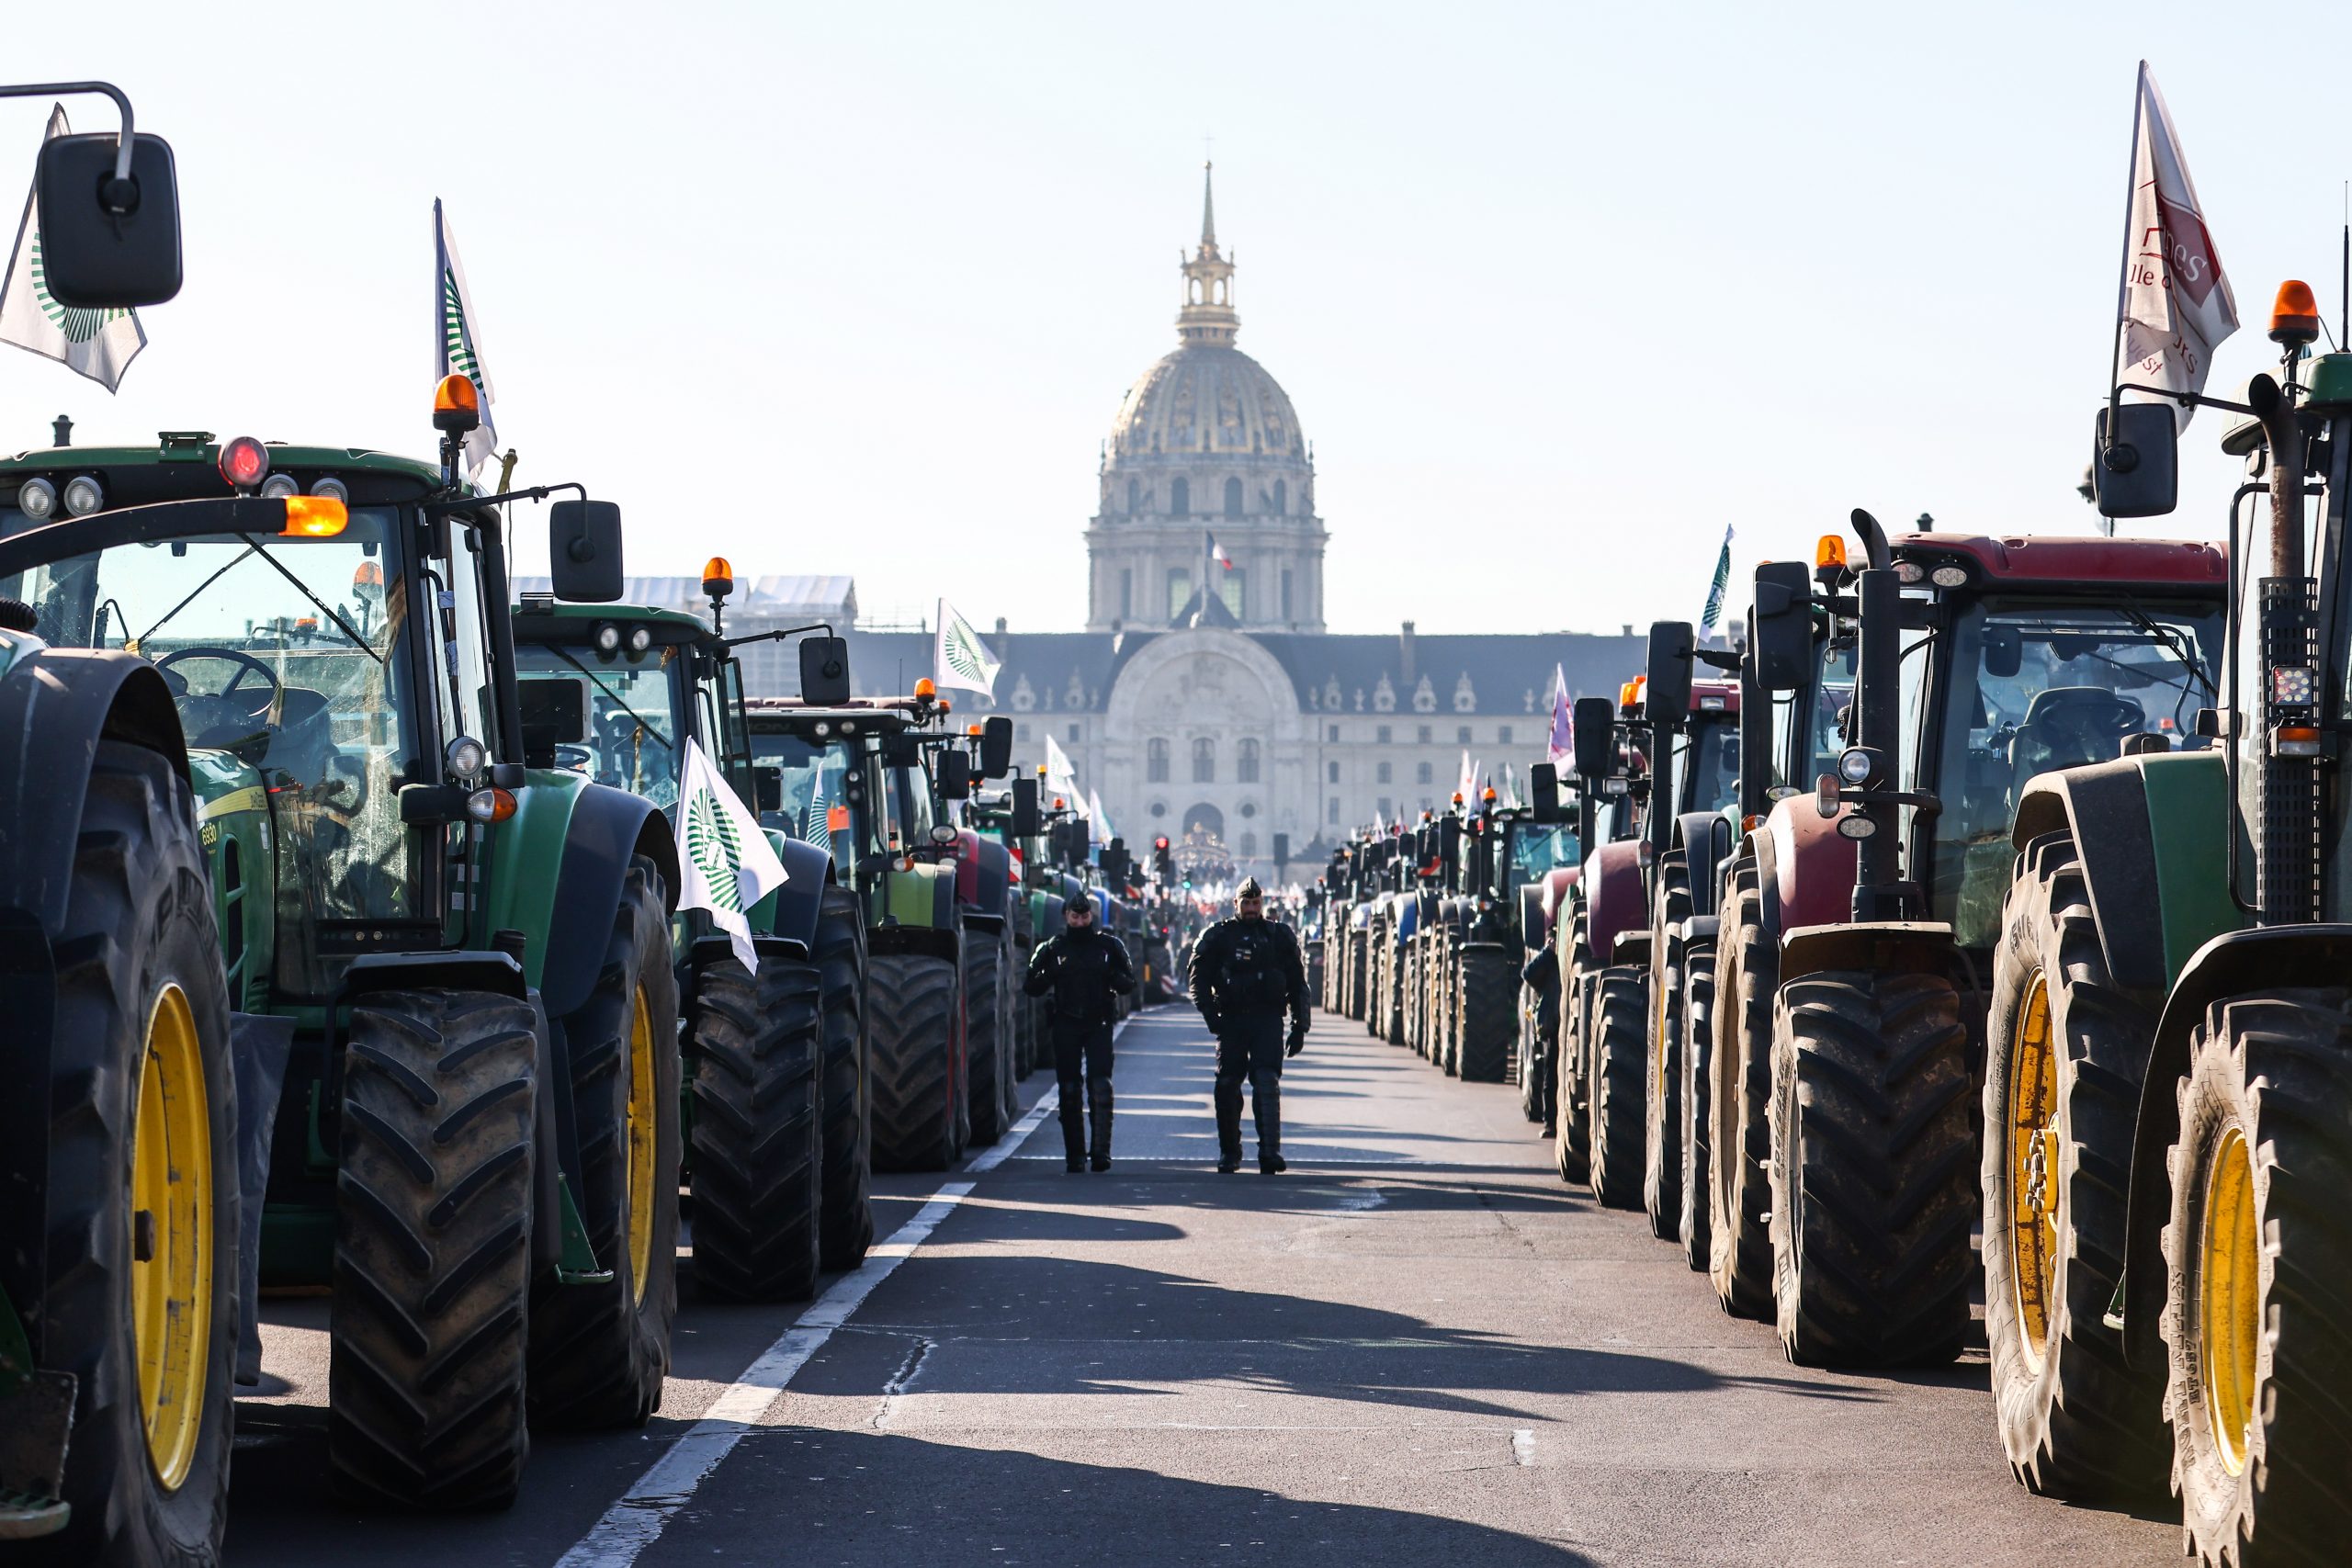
(599, 1352)
(430, 1320)
(141, 1007)
(1486, 1023)
(986, 1029)
(843, 1098)
(1697, 1130)
(911, 1036)
(1664, 1106)
(1571, 1109)
(2065, 1056)
(1739, 1102)
(759, 1152)
(1873, 1186)
(2258, 1273)
(1618, 1051)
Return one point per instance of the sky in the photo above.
(1560, 291)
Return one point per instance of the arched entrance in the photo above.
(1205, 818)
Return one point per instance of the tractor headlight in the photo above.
(331, 489)
(607, 637)
(278, 486)
(82, 495)
(2292, 686)
(820, 729)
(1854, 766)
(37, 499)
(1949, 577)
(640, 639)
(465, 757)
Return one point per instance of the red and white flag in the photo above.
(2177, 306)
(1216, 554)
(1562, 744)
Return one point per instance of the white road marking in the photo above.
(637, 1521)
(1522, 1446)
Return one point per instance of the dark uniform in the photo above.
(1082, 971)
(1246, 975)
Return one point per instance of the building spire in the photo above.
(1208, 315)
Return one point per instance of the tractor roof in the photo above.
(551, 620)
(2051, 561)
(196, 452)
(771, 715)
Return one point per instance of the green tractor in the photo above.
(2170, 1035)
(850, 777)
(777, 1145)
(445, 978)
(1513, 852)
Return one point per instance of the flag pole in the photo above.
(2123, 281)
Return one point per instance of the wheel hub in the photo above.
(643, 1123)
(2230, 1298)
(170, 1239)
(2031, 1135)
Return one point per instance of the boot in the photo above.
(1098, 1106)
(1266, 1107)
(1228, 1126)
(1073, 1126)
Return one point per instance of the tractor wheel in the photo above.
(2258, 1269)
(1412, 989)
(1008, 1011)
(142, 1108)
(1489, 1008)
(842, 1097)
(1664, 1109)
(1873, 1193)
(430, 1319)
(1739, 1099)
(985, 1044)
(910, 1004)
(1571, 1109)
(1533, 1059)
(2066, 1054)
(759, 1151)
(1698, 1046)
(598, 1353)
(1617, 1043)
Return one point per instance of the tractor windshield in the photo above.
(2028, 687)
(286, 658)
(809, 798)
(1710, 762)
(1535, 850)
(631, 702)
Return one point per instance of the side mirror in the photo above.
(996, 747)
(585, 550)
(1780, 628)
(824, 672)
(954, 773)
(767, 789)
(105, 245)
(555, 713)
(1595, 722)
(2135, 469)
(899, 750)
(1673, 647)
(1027, 822)
(1543, 783)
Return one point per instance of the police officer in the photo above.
(1245, 975)
(1082, 969)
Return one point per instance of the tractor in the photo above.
(1508, 855)
(454, 1104)
(776, 1119)
(1980, 662)
(2169, 1059)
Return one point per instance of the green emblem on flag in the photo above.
(962, 657)
(456, 342)
(1715, 590)
(711, 841)
(78, 325)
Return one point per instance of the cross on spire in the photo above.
(1208, 315)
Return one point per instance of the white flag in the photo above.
(961, 658)
(1100, 830)
(99, 343)
(727, 862)
(1060, 777)
(2177, 304)
(456, 338)
(1467, 786)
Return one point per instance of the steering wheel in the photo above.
(2079, 724)
(246, 664)
(578, 759)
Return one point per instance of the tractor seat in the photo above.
(2067, 727)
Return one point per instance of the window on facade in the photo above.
(1332, 809)
(1502, 736)
(1386, 806)
(1424, 774)
(1248, 846)
(1155, 761)
(1425, 735)
(1126, 591)
(1073, 734)
(1335, 736)
(1245, 762)
(1286, 610)
(1463, 735)
(1180, 589)
(1383, 775)
(1205, 761)
(1281, 498)
(1179, 496)
(1135, 497)
(1381, 734)
(1232, 498)
(1229, 589)
(1021, 732)
(1331, 772)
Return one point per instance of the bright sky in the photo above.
(1559, 290)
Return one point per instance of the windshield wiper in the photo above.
(304, 589)
(140, 641)
(2174, 641)
(619, 701)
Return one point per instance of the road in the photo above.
(1415, 1348)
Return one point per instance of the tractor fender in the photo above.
(1558, 882)
(1906, 947)
(1407, 911)
(56, 705)
(590, 832)
(920, 914)
(2233, 963)
(1805, 869)
(983, 872)
(1614, 901)
(1705, 837)
(790, 911)
(2149, 830)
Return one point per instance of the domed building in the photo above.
(1206, 454)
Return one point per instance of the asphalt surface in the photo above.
(1417, 1347)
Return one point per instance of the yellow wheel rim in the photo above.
(171, 1237)
(2230, 1298)
(2033, 1140)
(643, 1120)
